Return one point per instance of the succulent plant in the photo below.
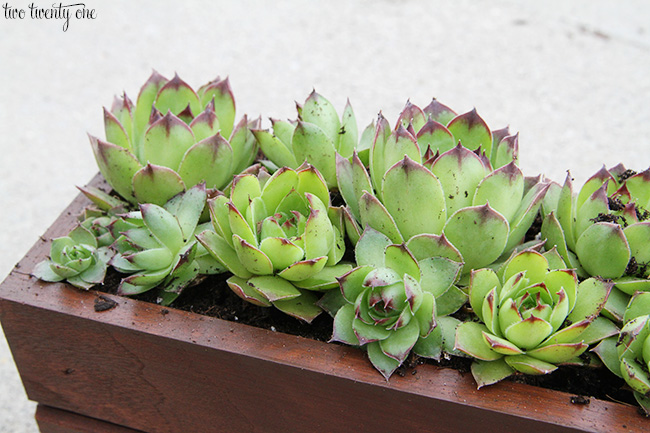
(534, 315)
(394, 301)
(455, 195)
(76, 258)
(160, 250)
(424, 133)
(627, 354)
(171, 139)
(604, 230)
(317, 137)
(275, 236)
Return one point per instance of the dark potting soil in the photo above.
(212, 297)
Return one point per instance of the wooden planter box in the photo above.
(142, 367)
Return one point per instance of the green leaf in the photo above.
(481, 283)
(438, 274)
(490, 372)
(274, 288)
(245, 291)
(592, 295)
(503, 189)
(163, 226)
(156, 184)
(175, 96)
(117, 165)
(469, 339)
(435, 136)
(472, 131)
(166, 142)
(302, 307)
(304, 269)
(223, 252)
(384, 364)
(375, 215)
(414, 198)
(313, 145)
(321, 112)
(400, 342)
(224, 103)
(528, 333)
(479, 233)
(529, 365)
(254, 260)
(209, 161)
(274, 149)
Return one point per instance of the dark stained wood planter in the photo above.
(141, 367)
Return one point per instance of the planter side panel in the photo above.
(52, 420)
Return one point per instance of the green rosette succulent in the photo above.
(171, 139)
(75, 258)
(396, 301)
(160, 248)
(533, 316)
(628, 354)
(274, 234)
(317, 137)
(455, 195)
(603, 230)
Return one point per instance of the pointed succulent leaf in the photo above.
(302, 307)
(245, 188)
(220, 92)
(595, 205)
(635, 376)
(145, 102)
(529, 365)
(638, 238)
(244, 145)
(414, 198)
(400, 342)
(501, 345)
(533, 264)
(163, 226)
(321, 112)
(555, 260)
(166, 141)
(115, 132)
(558, 353)
(592, 295)
(438, 274)
(603, 250)
(399, 145)
(469, 339)
(439, 112)
(400, 259)
(317, 237)
(313, 145)
(426, 245)
(479, 233)
(639, 187)
(175, 96)
(151, 259)
(371, 247)
(312, 182)
(274, 149)
(352, 283)
(281, 251)
(254, 260)
(450, 301)
(304, 269)
(459, 171)
(472, 131)
(528, 333)
(639, 306)
(274, 288)
(598, 330)
(503, 189)
(506, 151)
(565, 213)
(326, 279)
(375, 215)
(490, 372)
(205, 125)
(526, 214)
(369, 333)
(342, 329)
(481, 283)
(117, 165)
(240, 226)
(156, 184)
(383, 363)
(348, 134)
(208, 161)
(563, 279)
(44, 270)
(435, 136)
(490, 312)
(377, 150)
(223, 252)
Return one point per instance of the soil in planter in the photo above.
(212, 297)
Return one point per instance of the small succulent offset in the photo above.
(76, 258)
(394, 302)
(484, 213)
(160, 250)
(317, 137)
(627, 354)
(274, 234)
(534, 315)
(171, 139)
(604, 230)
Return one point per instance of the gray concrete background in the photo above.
(572, 77)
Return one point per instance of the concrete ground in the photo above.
(572, 77)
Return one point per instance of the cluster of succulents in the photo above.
(415, 239)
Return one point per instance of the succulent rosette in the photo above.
(628, 353)
(317, 137)
(171, 139)
(437, 129)
(533, 316)
(604, 230)
(274, 234)
(395, 300)
(455, 196)
(76, 258)
(160, 248)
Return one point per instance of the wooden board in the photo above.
(138, 367)
(52, 420)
